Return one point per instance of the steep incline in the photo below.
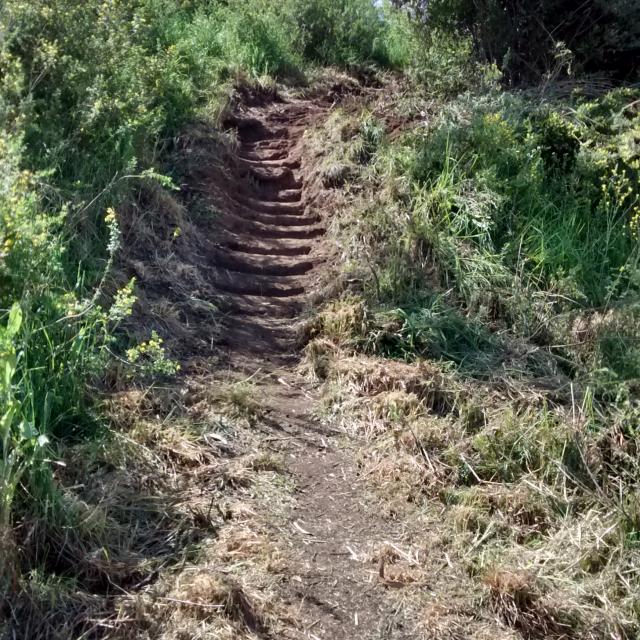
(267, 262)
(267, 251)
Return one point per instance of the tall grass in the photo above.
(525, 213)
(530, 185)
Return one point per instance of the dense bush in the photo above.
(341, 32)
(528, 40)
(536, 185)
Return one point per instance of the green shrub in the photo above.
(259, 37)
(533, 189)
(340, 32)
(523, 214)
(434, 330)
(528, 443)
(443, 64)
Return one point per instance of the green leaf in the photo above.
(9, 366)
(28, 430)
(160, 178)
(7, 420)
(15, 321)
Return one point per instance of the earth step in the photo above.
(278, 328)
(279, 220)
(266, 206)
(271, 144)
(263, 155)
(253, 205)
(289, 163)
(262, 134)
(262, 342)
(282, 176)
(282, 248)
(267, 286)
(264, 265)
(238, 224)
(284, 195)
(260, 306)
(268, 193)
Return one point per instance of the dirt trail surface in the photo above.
(268, 252)
(269, 261)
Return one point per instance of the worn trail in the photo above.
(267, 264)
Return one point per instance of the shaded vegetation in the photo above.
(531, 41)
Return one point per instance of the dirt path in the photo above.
(268, 253)
(269, 260)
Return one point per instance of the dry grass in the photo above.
(511, 490)
(420, 388)
(240, 399)
(162, 527)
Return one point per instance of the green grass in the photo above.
(525, 216)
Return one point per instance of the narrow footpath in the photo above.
(269, 260)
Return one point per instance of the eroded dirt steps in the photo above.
(266, 256)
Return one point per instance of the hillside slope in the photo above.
(319, 319)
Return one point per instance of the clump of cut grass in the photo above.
(268, 462)
(343, 322)
(318, 354)
(516, 598)
(511, 485)
(164, 511)
(239, 400)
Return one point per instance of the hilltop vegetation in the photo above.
(489, 227)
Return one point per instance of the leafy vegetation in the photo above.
(529, 208)
(530, 42)
(90, 97)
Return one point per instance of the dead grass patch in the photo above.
(370, 376)
(240, 400)
(507, 486)
(517, 597)
(198, 602)
(162, 489)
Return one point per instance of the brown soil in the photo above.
(269, 260)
